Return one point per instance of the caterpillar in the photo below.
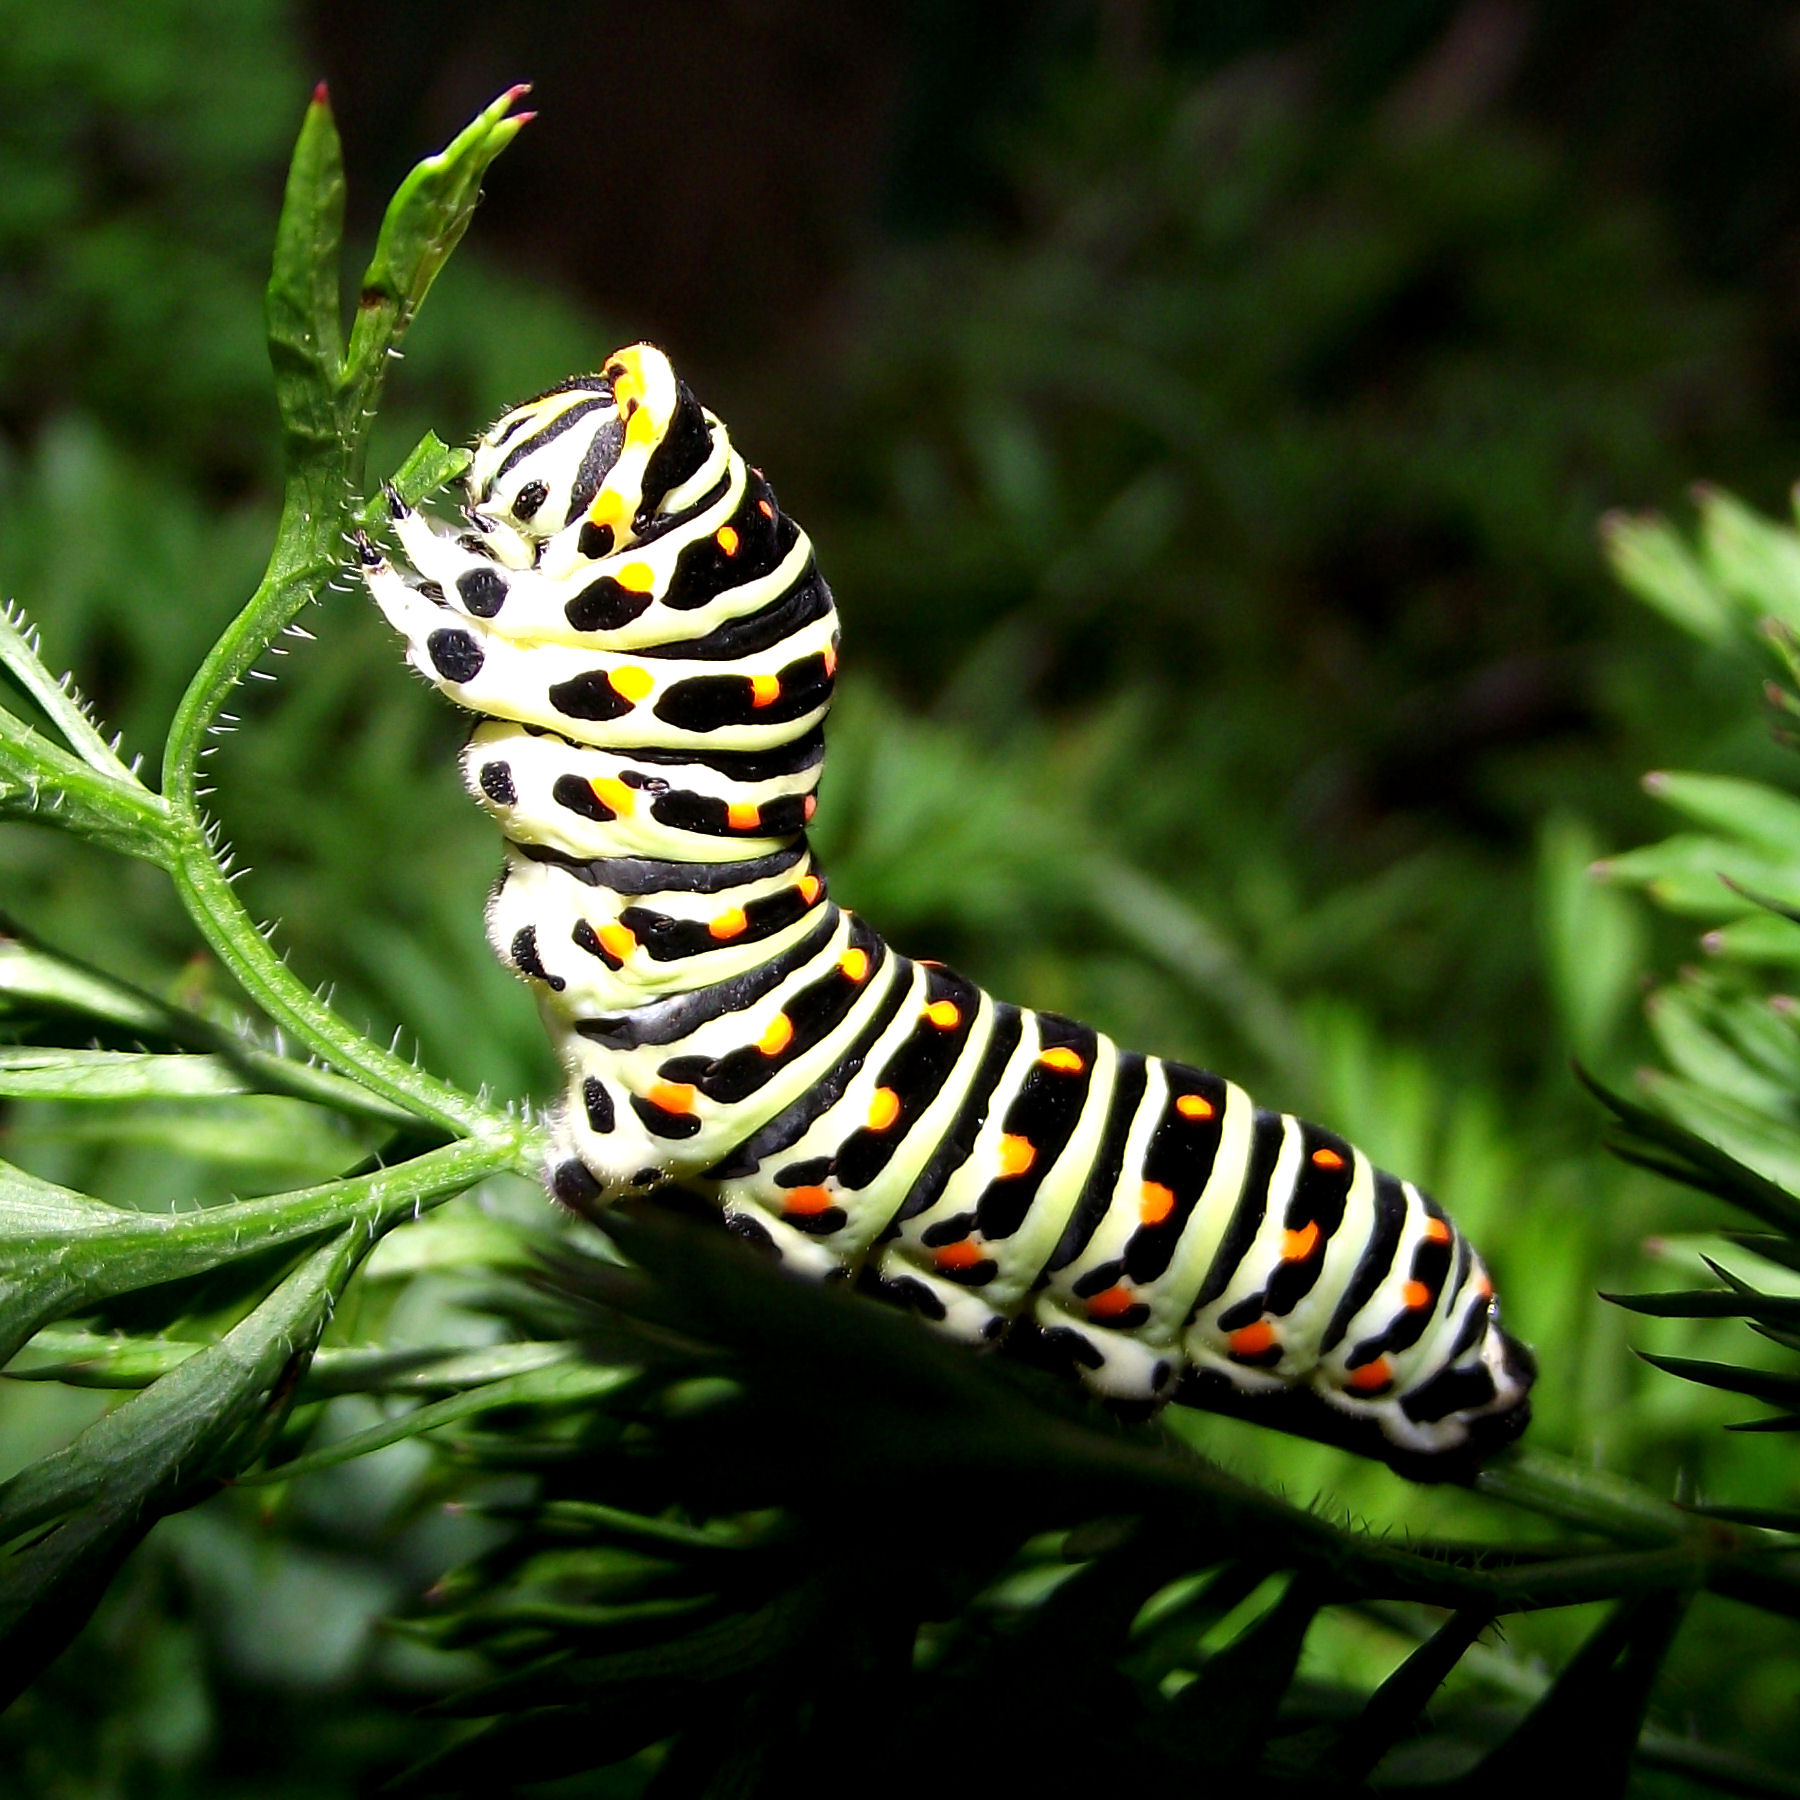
(653, 650)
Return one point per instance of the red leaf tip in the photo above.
(321, 95)
(517, 91)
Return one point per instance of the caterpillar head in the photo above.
(579, 471)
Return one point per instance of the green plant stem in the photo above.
(327, 399)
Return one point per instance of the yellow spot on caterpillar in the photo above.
(1437, 1231)
(963, 1255)
(631, 682)
(884, 1109)
(610, 508)
(855, 964)
(1017, 1154)
(1252, 1340)
(1194, 1106)
(742, 817)
(1155, 1202)
(1327, 1159)
(807, 1202)
(810, 887)
(672, 1096)
(626, 372)
(946, 1015)
(765, 690)
(640, 428)
(1063, 1060)
(777, 1038)
(1110, 1304)
(729, 924)
(636, 578)
(617, 941)
(610, 791)
(726, 539)
(1415, 1296)
(1297, 1246)
(1371, 1377)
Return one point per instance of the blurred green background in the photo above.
(1203, 414)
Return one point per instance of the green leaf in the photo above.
(33, 979)
(1651, 558)
(301, 305)
(1762, 816)
(28, 1073)
(1759, 937)
(424, 222)
(1678, 1017)
(1751, 559)
(566, 1384)
(1709, 1304)
(1396, 1706)
(431, 464)
(62, 705)
(1689, 873)
(62, 1252)
(48, 786)
(1593, 937)
(1581, 1736)
(1759, 1384)
(145, 1457)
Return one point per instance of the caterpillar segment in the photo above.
(652, 650)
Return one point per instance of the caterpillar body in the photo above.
(653, 648)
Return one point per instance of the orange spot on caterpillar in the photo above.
(1371, 1377)
(1194, 1106)
(1437, 1231)
(1252, 1340)
(828, 656)
(855, 964)
(884, 1109)
(636, 578)
(1297, 1246)
(946, 1015)
(765, 690)
(1327, 1159)
(1017, 1154)
(1484, 1285)
(741, 816)
(763, 507)
(811, 887)
(808, 807)
(1063, 1060)
(672, 1096)
(726, 539)
(616, 940)
(631, 682)
(963, 1255)
(1415, 1296)
(610, 791)
(1111, 1303)
(1155, 1202)
(729, 924)
(807, 1202)
(777, 1038)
